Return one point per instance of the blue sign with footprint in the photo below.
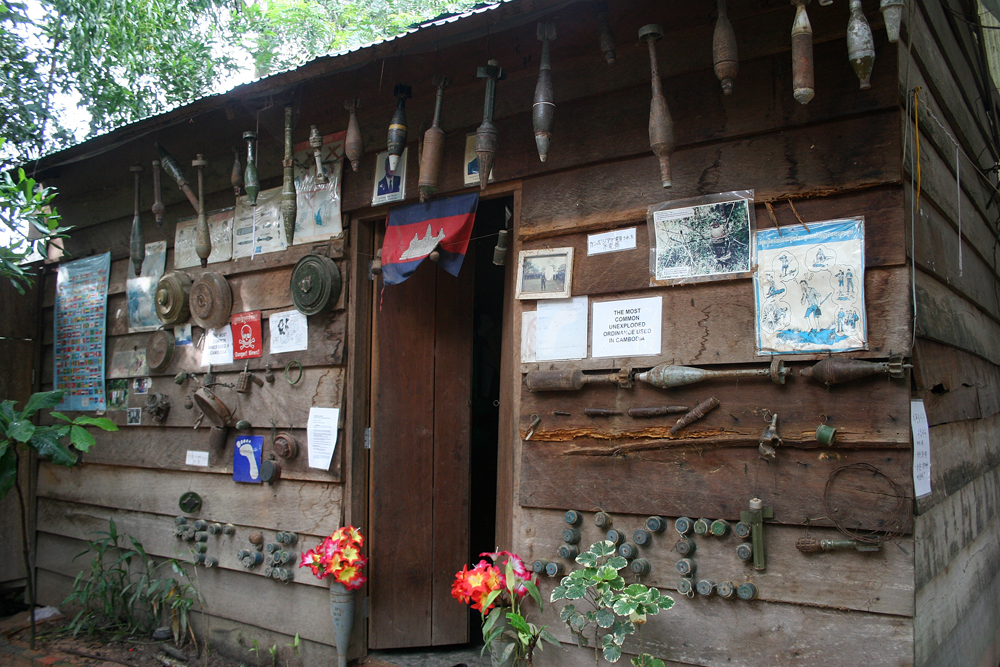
(246, 458)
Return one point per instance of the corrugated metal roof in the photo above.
(134, 129)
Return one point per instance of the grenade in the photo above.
(834, 370)
(640, 567)
(656, 524)
(628, 550)
(289, 208)
(137, 244)
(892, 12)
(554, 569)
(251, 182)
(615, 536)
(202, 237)
(171, 166)
(354, 145)
(683, 525)
(726, 589)
(803, 81)
(397, 126)
(602, 520)
(744, 551)
(719, 528)
(724, 57)
(236, 177)
(538, 567)
(487, 136)
(571, 536)
(661, 124)
(686, 567)
(685, 586)
(544, 108)
(158, 207)
(860, 45)
(568, 551)
(747, 591)
(685, 547)
(316, 143)
(706, 587)
(642, 537)
(430, 158)
(573, 518)
(701, 526)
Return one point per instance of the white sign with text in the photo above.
(628, 328)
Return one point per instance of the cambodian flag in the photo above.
(413, 231)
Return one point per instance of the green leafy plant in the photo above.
(18, 432)
(295, 649)
(27, 220)
(126, 592)
(616, 609)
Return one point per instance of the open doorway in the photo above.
(433, 462)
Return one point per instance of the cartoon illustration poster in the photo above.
(809, 288)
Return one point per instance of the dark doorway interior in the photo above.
(487, 320)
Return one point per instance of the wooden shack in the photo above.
(434, 459)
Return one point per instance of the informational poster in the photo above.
(220, 230)
(318, 204)
(562, 329)
(616, 240)
(700, 239)
(259, 229)
(389, 187)
(921, 449)
(140, 290)
(470, 173)
(248, 342)
(529, 336)
(218, 346)
(627, 328)
(321, 432)
(809, 288)
(246, 458)
(128, 363)
(289, 331)
(80, 316)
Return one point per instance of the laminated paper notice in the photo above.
(562, 329)
(921, 449)
(529, 335)
(613, 241)
(259, 229)
(218, 346)
(196, 458)
(628, 328)
(220, 230)
(321, 433)
(289, 331)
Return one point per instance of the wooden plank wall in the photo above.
(956, 359)
(838, 156)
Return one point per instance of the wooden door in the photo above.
(419, 525)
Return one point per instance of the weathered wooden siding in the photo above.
(956, 372)
(838, 156)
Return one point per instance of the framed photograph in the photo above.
(701, 239)
(133, 417)
(545, 274)
(389, 186)
(470, 166)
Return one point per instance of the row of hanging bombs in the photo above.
(861, 54)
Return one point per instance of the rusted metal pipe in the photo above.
(137, 244)
(574, 380)
(430, 158)
(354, 145)
(601, 412)
(661, 125)
(202, 237)
(543, 110)
(171, 166)
(724, 55)
(656, 411)
(289, 207)
(486, 135)
(803, 81)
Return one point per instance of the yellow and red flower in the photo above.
(339, 556)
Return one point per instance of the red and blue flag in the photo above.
(412, 232)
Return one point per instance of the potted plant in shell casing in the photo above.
(339, 558)
(497, 589)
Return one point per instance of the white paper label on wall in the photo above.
(613, 241)
(218, 348)
(628, 328)
(529, 336)
(321, 432)
(195, 458)
(921, 449)
(562, 329)
(289, 331)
